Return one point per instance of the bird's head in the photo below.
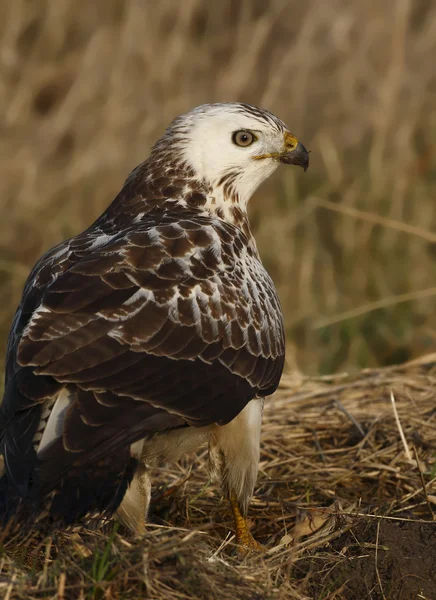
(232, 147)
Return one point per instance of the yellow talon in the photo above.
(243, 536)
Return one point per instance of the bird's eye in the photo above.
(243, 138)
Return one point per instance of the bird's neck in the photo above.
(157, 184)
(229, 208)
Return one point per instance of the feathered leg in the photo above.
(133, 510)
(234, 456)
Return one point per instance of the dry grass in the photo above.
(86, 87)
(336, 484)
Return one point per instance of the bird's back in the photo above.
(166, 323)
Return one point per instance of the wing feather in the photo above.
(165, 324)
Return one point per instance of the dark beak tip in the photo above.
(299, 156)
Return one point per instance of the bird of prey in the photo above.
(154, 330)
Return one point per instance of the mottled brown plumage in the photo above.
(159, 317)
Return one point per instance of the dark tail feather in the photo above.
(96, 488)
(84, 492)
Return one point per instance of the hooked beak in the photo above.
(294, 153)
(298, 156)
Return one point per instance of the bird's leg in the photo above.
(242, 531)
(133, 510)
(234, 459)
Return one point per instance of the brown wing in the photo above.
(162, 325)
(190, 292)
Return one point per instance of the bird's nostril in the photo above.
(290, 142)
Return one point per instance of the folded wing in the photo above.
(166, 324)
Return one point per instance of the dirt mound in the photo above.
(344, 507)
(384, 559)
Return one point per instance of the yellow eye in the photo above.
(243, 138)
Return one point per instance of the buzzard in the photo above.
(153, 331)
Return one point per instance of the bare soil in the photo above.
(377, 560)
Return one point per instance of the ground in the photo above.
(344, 508)
(377, 560)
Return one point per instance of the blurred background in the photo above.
(86, 87)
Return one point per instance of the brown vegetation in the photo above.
(344, 505)
(85, 88)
